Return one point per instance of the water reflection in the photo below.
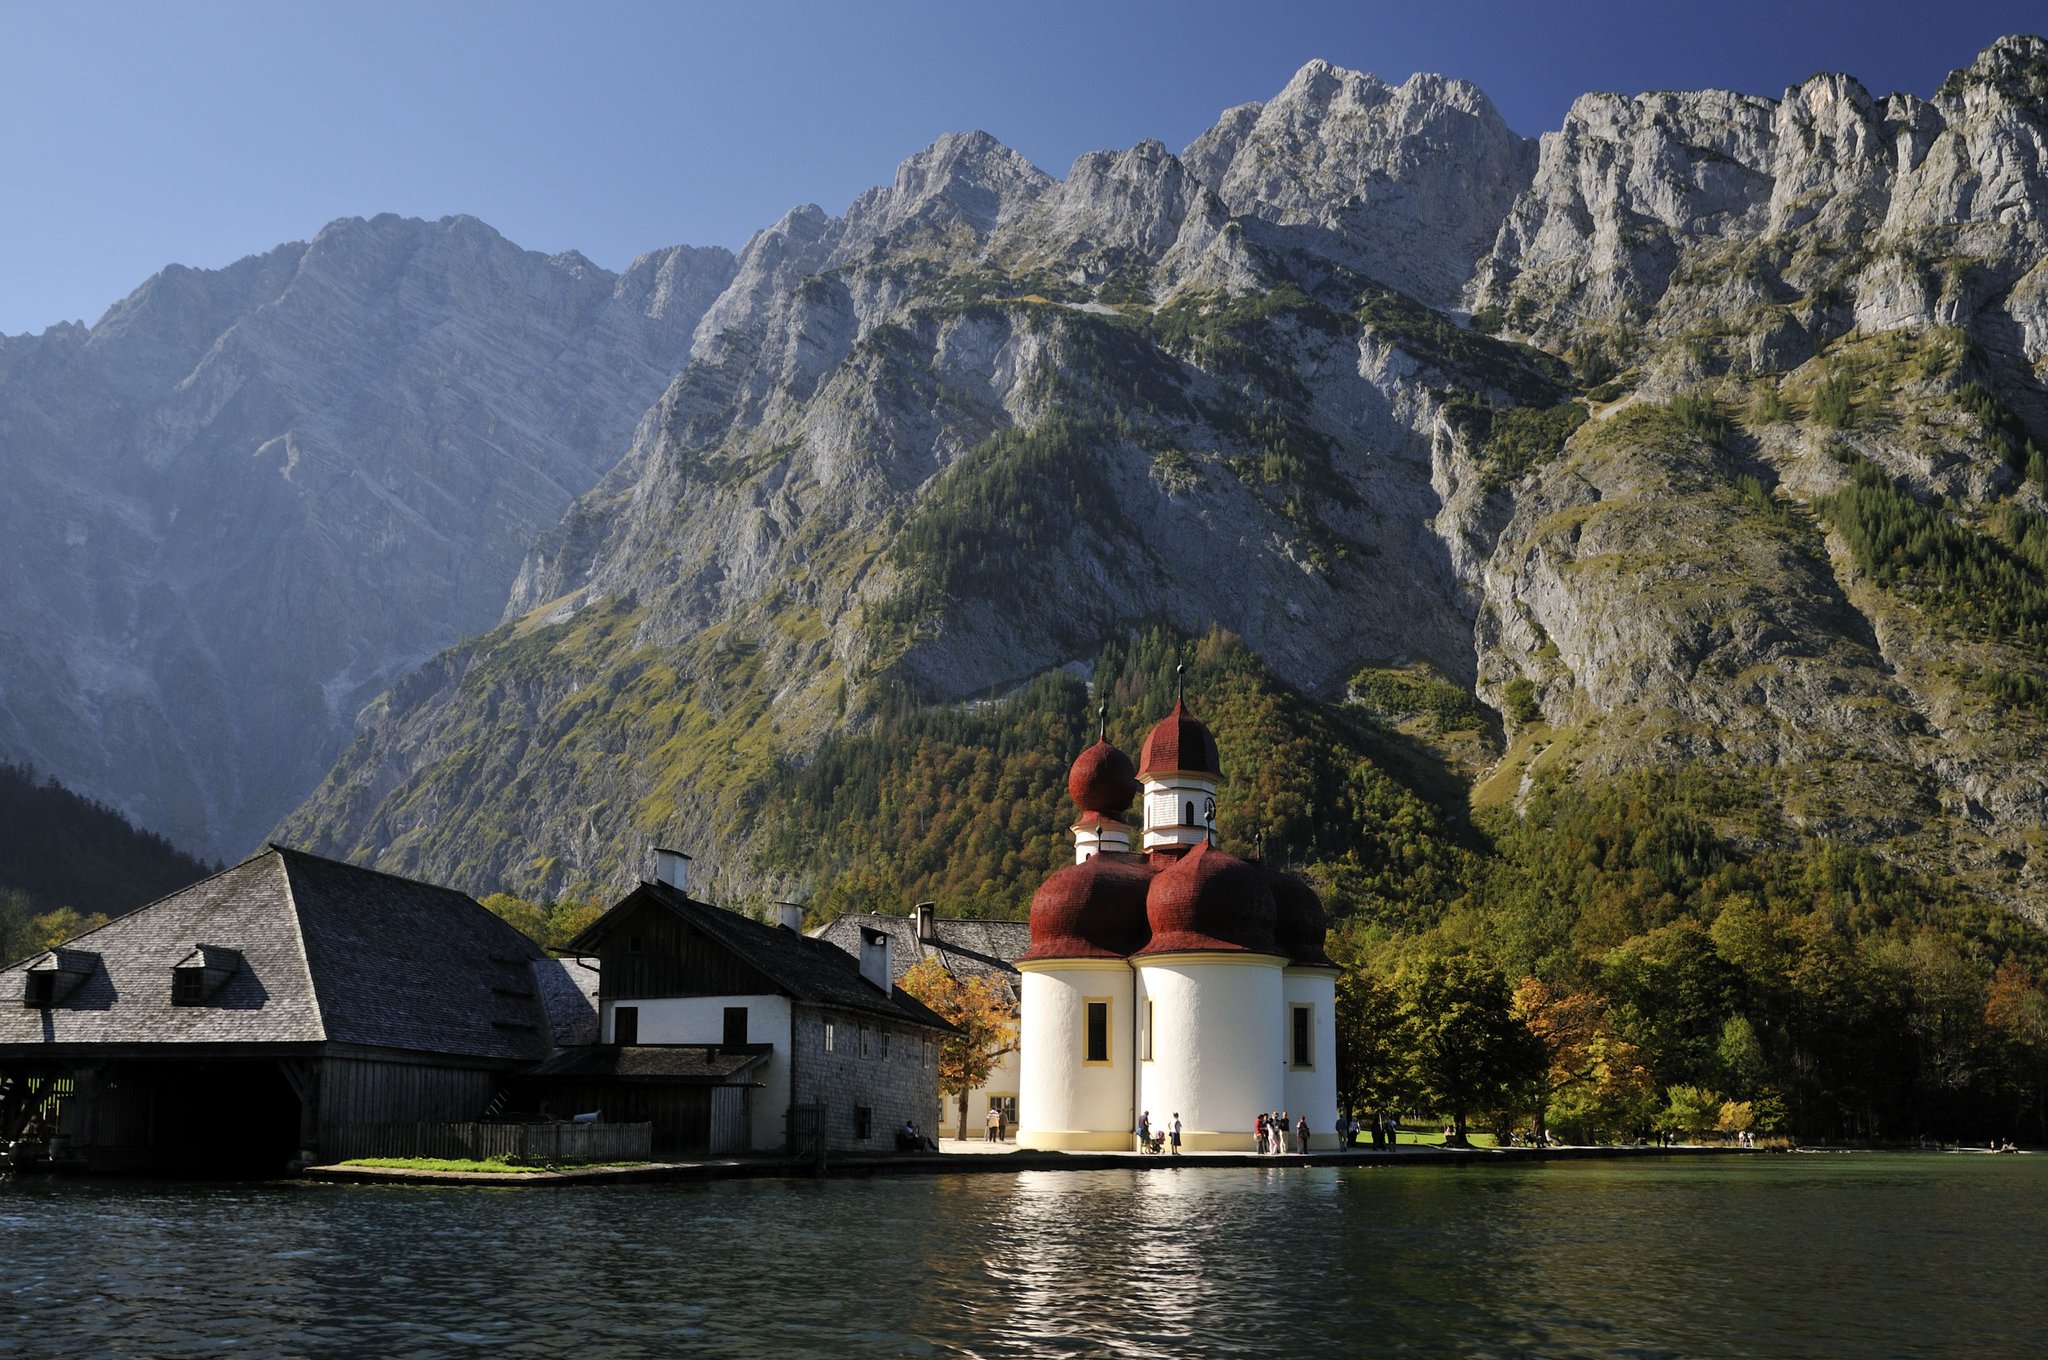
(1777, 1257)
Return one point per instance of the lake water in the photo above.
(1815, 1255)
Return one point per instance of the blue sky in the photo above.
(136, 135)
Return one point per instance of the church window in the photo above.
(1189, 819)
(1095, 1034)
(864, 1041)
(1145, 1034)
(1304, 1032)
(831, 1036)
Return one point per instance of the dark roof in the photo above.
(1180, 743)
(804, 968)
(329, 953)
(568, 991)
(706, 1063)
(964, 948)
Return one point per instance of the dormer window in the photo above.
(55, 976)
(202, 973)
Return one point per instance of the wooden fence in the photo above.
(532, 1143)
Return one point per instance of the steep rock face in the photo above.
(1776, 226)
(1410, 181)
(990, 420)
(247, 500)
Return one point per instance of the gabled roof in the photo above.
(329, 953)
(568, 990)
(706, 1064)
(964, 948)
(803, 968)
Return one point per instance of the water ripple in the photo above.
(1771, 1257)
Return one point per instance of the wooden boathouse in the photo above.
(235, 1025)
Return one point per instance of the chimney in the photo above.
(874, 958)
(926, 914)
(790, 917)
(672, 867)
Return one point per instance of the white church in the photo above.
(1165, 977)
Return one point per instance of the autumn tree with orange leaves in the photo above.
(985, 1016)
(1601, 1077)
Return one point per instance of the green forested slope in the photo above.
(65, 859)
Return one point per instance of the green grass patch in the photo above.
(494, 1166)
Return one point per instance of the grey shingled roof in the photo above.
(568, 989)
(706, 1063)
(964, 948)
(330, 952)
(806, 969)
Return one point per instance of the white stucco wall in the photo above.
(1217, 1045)
(1064, 1102)
(1004, 1079)
(1313, 1091)
(701, 1020)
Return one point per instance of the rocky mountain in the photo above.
(1698, 436)
(247, 500)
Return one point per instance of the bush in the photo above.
(1520, 696)
(1834, 401)
(1770, 406)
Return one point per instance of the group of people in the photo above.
(1159, 1139)
(1274, 1136)
(1384, 1130)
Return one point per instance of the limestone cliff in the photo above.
(1732, 466)
(247, 500)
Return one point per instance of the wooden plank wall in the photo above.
(363, 1091)
(672, 959)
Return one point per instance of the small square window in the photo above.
(39, 990)
(188, 986)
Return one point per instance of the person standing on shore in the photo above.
(1301, 1136)
(1176, 1133)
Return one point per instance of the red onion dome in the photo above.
(1091, 910)
(1300, 924)
(1210, 901)
(1102, 780)
(1180, 743)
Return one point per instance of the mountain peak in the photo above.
(968, 178)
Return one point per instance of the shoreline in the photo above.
(1011, 1161)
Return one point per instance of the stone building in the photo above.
(966, 949)
(1165, 976)
(835, 1052)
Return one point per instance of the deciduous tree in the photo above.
(1468, 1049)
(985, 1016)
